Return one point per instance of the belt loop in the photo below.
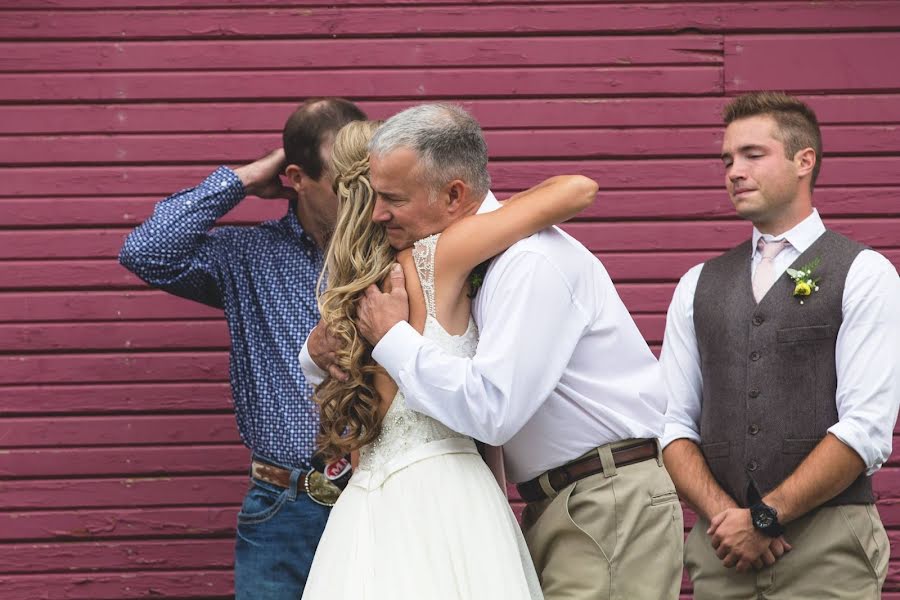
(544, 480)
(292, 489)
(606, 459)
(659, 457)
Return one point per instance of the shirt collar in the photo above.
(801, 237)
(489, 204)
(294, 226)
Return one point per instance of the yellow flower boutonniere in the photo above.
(804, 282)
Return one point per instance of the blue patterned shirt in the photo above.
(264, 277)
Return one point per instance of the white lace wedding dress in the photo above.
(422, 518)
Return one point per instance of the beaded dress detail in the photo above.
(403, 428)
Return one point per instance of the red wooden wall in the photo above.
(120, 467)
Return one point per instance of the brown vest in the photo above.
(769, 377)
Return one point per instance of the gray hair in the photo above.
(447, 139)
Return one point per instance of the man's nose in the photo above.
(737, 171)
(380, 213)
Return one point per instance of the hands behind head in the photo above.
(262, 178)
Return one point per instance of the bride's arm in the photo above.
(476, 238)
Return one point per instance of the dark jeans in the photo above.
(277, 534)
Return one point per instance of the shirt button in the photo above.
(758, 320)
(753, 429)
(754, 393)
(752, 465)
(755, 356)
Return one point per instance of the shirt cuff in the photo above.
(397, 347)
(314, 375)
(859, 441)
(677, 431)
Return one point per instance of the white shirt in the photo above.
(867, 352)
(560, 368)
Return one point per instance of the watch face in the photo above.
(763, 517)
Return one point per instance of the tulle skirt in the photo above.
(433, 524)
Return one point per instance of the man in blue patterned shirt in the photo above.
(264, 277)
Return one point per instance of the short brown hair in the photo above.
(310, 126)
(798, 127)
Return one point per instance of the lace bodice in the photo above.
(402, 428)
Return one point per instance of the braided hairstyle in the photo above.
(358, 255)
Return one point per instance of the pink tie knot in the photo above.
(770, 250)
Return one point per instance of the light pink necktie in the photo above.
(764, 276)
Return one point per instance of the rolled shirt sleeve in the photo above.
(867, 356)
(680, 364)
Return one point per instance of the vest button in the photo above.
(753, 429)
(754, 356)
(752, 465)
(754, 393)
(758, 320)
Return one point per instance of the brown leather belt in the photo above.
(560, 477)
(275, 475)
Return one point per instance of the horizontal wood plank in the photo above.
(624, 267)
(598, 237)
(647, 205)
(114, 431)
(151, 555)
(262, 115)
(60, 398)
(212, 520)
(114, 368)
(840, 62)
(94, 398)
(100, 306)
(507, 175)
(123, 460)
(187, 584)
(123, 492)
(58, 57)
(420, 84)
(422, 21)
(502, 145)
(125, 336)
(156, 305)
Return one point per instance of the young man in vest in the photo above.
(264, 277)
(780, 358)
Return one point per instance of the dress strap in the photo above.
(423, 255)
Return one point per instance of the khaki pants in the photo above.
(840, 552)
(617, 535)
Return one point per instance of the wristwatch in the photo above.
(765, 519)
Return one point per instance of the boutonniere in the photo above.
(804, 282)
(476, 278)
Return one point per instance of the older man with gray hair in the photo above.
(562, 378)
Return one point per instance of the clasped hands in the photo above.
(738, 544)
(376, 313)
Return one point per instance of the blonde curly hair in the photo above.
(358, 255)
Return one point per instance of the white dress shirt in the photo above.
(867, 352)
(560, 368)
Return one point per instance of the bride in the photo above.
(422, 516)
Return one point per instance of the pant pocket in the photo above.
(261, 504)
(591, 507)
(869, 535)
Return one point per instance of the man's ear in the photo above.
(456, 195)
(805, 161)
(296, 177)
